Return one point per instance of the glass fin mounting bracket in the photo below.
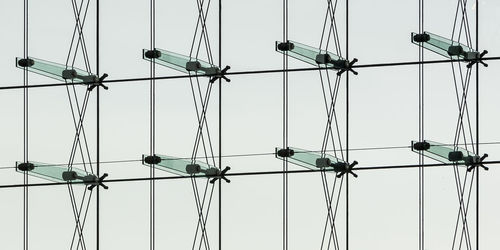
(448, 154)
(314, 161)
(185, 64)
(448, 48)
(60, 174)
(185, 167)
(55, 71)
(315, 56)
(182, 63)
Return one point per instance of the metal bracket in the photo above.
(474, 161)
(421, 146)
(151, 159)
(91, 180)
(348, 67)
(26, 166)
(478, 60)
(284, 152)
(98, 83)
(221, 175)
(98, 182)
(285, 46)
(344, 168)
(221, 75)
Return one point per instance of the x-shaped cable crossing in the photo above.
(78, 110)
(464, 181)
(201, 98)
(330, 93)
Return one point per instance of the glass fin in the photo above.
(441, 152)
(308, 54)
(441, 46)
(56, 71)
(53, 172)
(307, 159)
(181, 167)
(180, 62)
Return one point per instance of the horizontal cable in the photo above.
(387, 167)
(255, 154)
(243, 73)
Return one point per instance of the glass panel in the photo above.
(179, 166)
(307, 53)
(307, 159)
(179, 62)
(440, 45)
(441, 152)
(57, 71)
(53, 172)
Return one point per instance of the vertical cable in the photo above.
(421, 136)
(152, 129)
(98, 128)
(220, 125)
(477, 126)
(285, 127)
(347, 127)
(25, 131)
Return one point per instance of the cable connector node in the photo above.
(220, 175)
(221, 75)
(98, 83)
(345, 66)
(474, 161)
(476, 59)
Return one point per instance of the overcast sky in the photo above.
(383, 111)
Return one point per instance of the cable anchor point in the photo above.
(477, 59)
(475, 161)
(346, 67)
(98, 182)
(342, 168)
(220, 175)
(221, 75)
(98, 83)
(90, 180)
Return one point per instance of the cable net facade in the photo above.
(275, 125)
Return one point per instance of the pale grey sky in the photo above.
(383, 111)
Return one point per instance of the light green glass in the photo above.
(184, 167)
(309, 54)
(307, 159)
(441, 45)
(57, 71)
(441, 152)
(182, 63)
(53, 172)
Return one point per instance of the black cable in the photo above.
(97, 129)
(347, 126)
(421, 101)
(385, 167)
(220, 126)
(76, 214)
(249, 72)
(251, 155)
(477, 126)
(25, 129)
(152, 132)
(285, 127)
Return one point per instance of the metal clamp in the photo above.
(221, 175)
(474, 161)
(98, 83)
(90, 180)
(221, 75)
(478, 60)
(342, 168)
(345, 67)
